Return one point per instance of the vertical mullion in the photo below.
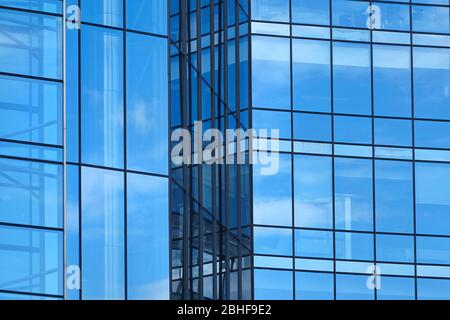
(125, 164)
(291, 84)
(80, 135)
(413, 145)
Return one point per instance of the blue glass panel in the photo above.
(431, 83)
(352, 78)
(313, 127)
(311, 11)
(396, 289)
(350, 13)
(276, 241)
(273, 285)
(394, 196)
(272, 200)
(392, 80)
(148, 237)
(31, 44)
(34, 115)
(349, 287)
(314, 286)
(31, 193)
(148, 16)
(430, 19)
(433, 289)
(392, 248)
(271, 86)
(102, 234)
(433, 202)
(430, 134)
(433, 250)
(393, 132)
(32, 260)
(102, 97)
(354, 246)
(353, 129)
(311, 75)
(353, 194)
(147, 104)
(313, 192)
(105, 12)
(314, 244)
(270, 10)
(50, 6)
(269, 120)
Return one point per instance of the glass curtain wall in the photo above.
(117, 142)
(360, 89)
(210, 204)
(31, 150)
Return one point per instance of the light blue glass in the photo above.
(433, 250)
(50, 6)
(353, 194)
(34, 115)
(354, 246)
(33, 44)
(271, 86)
(314, 244)
(433, 289)
(352, 78)
(431, 83)
(432, 200)
(270, 10)
(148, 16)
(313, 127)
(105, 12)
(392, 80)
(272, 120)
(102, 97)
(314, 286)
(273, 285)
(103, 261)
(430, 19)
(311, 75)
(272, 200)
(274, 241)
(394, 196)
(432, 134)
(396, 288)
(313, 198)
(394, 248)
(393, 132)
(311, 11)
(148, 237)
(348, 129)
(393, 16)
(350, 13)
(31, 193)
(147, 104)
(352, 287)
(31, 260)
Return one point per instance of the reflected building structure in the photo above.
(360, 91)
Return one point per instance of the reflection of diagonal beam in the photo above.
(18, 184)
(28, 278)
(29, 130)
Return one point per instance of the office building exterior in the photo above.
(93, 207)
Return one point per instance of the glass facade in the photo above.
(92, 207)
(361, 90)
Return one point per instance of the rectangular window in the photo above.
(102, 97)
(147, 104)
(354, 246)
(353, 194)
(311, 11)
(311, 75)
(314, 244)
(147, 16)
(274, 241)
(104, 12)
(148, 237)
(352, 78)
(313, 180)
(430, 19)
(273, 285)
(103, 240)
(314, 286)
(31, 44)
(394, 196)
